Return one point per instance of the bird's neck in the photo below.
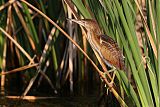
(93, 34)
(92, 37)
(95, 31)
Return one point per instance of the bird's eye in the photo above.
(84, 23)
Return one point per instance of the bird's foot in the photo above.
(112, 70)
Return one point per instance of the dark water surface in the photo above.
(55, 102)
(81, 97)
(90, 101)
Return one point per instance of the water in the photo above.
(83, 96)
(88, 101)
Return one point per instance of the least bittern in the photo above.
(104, 45)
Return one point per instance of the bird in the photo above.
(106, 47)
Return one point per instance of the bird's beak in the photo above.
(80, 22)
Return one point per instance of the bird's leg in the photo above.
(114, 74)
(113, 69)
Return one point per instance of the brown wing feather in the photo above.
(111, 52)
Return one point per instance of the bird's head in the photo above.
(89, 24)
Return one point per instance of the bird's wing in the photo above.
(114, 53)
(110, 43)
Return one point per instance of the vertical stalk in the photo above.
(158, 40)
(70, 50)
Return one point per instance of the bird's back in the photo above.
(111, 52)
